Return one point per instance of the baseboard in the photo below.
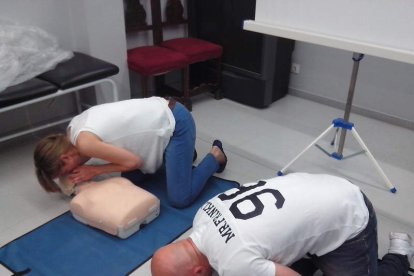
(355, 109)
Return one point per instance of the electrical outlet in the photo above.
(295, 68)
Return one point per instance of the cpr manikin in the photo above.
(114, 205)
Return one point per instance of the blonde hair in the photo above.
(47, 160)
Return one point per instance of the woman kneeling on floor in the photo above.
(134, 136)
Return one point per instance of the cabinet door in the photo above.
(221, 21)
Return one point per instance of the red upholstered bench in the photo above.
(151, 61)
(173, 54)
(197, 50)
(154, 60)
(77, 73)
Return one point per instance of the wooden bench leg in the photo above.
(186, 87)
(144, 86)
(218, 95)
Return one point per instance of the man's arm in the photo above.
(258, 266)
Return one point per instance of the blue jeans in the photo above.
(184, 183)
(358, 256)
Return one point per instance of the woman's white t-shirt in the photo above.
(142, 126)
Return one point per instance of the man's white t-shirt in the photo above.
(243, 231)
(142, 126)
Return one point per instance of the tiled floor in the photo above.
(258, 142)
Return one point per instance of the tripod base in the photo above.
(341, 123)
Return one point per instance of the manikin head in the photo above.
(181, 258)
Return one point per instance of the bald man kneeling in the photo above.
(265, 228)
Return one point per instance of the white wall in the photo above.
(98, 29)
(384, 88)
(49, 15)
(382, 28)
(95, 27)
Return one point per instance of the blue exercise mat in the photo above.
(64, 246)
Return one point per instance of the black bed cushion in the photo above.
(78, 70)
(25, 91)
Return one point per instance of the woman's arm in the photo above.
(282, 270)
(120, 160)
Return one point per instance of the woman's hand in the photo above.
(83, 173)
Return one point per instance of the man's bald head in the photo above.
(181, 258)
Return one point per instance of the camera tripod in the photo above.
(344, 125)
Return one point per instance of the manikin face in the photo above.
(71, 159)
